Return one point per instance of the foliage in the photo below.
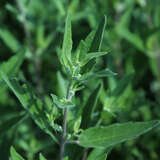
(83, 98)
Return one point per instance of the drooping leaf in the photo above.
(96, 43)
(11, 67)
(114, 134)
(30, 103)
(89, 107)
(41, 157)
(15, 155)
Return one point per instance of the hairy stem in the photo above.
(63, 138)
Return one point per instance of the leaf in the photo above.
(90, 56)
(122, 85)
(9, 40)
(88, 67)
(96, 43)
(15, 155)
(61, 102)
(11, 67)
(30, 103)
(102, 157)
(114, 134)
(10, 123)
(89, 107)
(62, 87)
(41, 157)
(67, 42)
(133, 38)
(103, 73)
(98, 152)
(85, 45)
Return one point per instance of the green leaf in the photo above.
(96, 43)
(89, 107)
(102, 157)
(90, 56)
(85, 45)
(88, 67)
(9, 40)
(62, 87)
(11, 123)
(133, 38)
(11, 67)
(41, 157)
(103, 73)
(61, 102)
(98, 152)
(15, 155)
(114, 134)
(30, 103)
(122, 85)
(67, 42)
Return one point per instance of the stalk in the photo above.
(63, 137)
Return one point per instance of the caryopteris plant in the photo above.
(65, 120)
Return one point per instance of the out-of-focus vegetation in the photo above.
(35, 28)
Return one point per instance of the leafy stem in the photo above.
(63, 137)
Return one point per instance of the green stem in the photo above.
(63, 138)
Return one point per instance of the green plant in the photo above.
(76, 128)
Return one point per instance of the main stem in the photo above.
(63, 138)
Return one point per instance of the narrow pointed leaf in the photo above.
(11, 67)
(10, 123)
(114, 134)
(15, 155)
(102, 157)
(105, 73)
(67, 41)
(96, 43)
(9, 40)
(97, 152)
(90, 56)
(122, 85)
(62, 89)
(41, 157)
(89, 107)
(30, 103)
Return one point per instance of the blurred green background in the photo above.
(133, 37)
